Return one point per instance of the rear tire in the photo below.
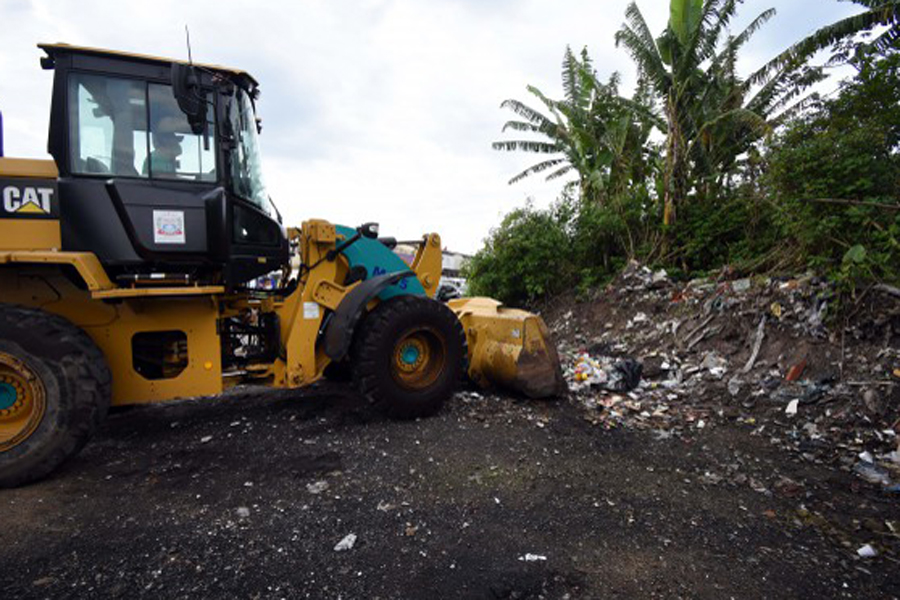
(408, 357)
(55, 392)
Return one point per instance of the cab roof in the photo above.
(61, 48)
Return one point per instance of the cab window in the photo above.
(175, 151)
(130, 128)
(108, 120)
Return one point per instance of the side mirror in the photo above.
(186, 87)
(368, 230)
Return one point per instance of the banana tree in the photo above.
(710, 117)
(592, 132)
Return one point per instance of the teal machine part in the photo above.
(377, 259)
(8, 396)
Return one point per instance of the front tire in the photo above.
(408, 358)
(54, 392)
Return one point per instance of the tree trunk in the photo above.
(674, 182)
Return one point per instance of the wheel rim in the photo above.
(418, 359)
(22, 402)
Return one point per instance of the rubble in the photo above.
(606, 373)
(317, 487)
(346, 543)
(867, 551)
(651, 353)
(792, 407)
(533, 558)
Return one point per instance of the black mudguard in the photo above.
(339, 332)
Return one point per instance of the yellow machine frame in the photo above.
(74, 285)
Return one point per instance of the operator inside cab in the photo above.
(163, 159)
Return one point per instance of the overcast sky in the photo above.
(373, 110)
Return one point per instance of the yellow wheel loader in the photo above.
(145, 262)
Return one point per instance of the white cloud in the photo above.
(373, 109)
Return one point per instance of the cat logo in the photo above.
(27, 200)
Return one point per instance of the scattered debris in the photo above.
(757, 344)
(317, 488)
(796, 371)
(606, 373)
(867, 551)
(792, 407)
(673, 358)
(869, 471)
(532, 558)
(243, 512)
(715, 364)
(346, 544)
(741, 285)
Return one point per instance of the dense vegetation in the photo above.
(701, 168)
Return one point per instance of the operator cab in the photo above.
(159, 168)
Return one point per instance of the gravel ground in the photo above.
(247, 497)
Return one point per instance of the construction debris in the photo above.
(317, 488)
(533, 558)
(346, 544)
(867, 551)
(651, 353)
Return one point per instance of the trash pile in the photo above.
(650, 353)
(605, 373)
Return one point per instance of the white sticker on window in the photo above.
(310, 310)
(168, 227)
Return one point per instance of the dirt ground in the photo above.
(225, 499)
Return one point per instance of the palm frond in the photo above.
(522, 126)
(570, 78)
(737, 42)
(553, 105)
(535, 169)
(715, 19)
(794, 110)
(740, 116)
(559, 173)
(649, 61)
(526, 146)
(880, 13)
(523, 110)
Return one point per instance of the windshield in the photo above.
(246, 165)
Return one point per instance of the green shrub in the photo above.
(829, 171)
(526, 257)
(724, 231)
(536, 253)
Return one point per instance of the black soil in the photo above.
(209, 499)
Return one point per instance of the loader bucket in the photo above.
(509, 348)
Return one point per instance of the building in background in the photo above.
(452, 284)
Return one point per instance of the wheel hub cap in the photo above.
(418, 359)
(22, 402)
(410, 355)
(8, 396)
